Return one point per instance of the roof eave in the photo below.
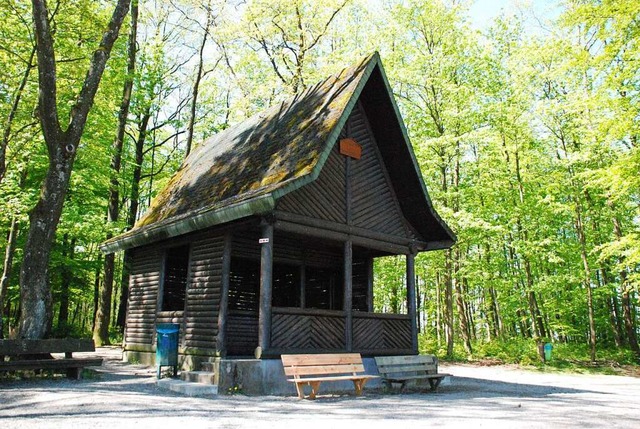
(189, 223)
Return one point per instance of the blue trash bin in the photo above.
(547, 351)
(167, 346)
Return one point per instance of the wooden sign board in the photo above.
(350, 148)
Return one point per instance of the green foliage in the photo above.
(528, 142)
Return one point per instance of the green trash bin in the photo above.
(167, 346)
(547, 351)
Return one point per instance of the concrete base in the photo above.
(187, 388)
(264, 376)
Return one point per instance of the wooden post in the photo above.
(221, 341)
(348, 295)
(266, 274)
(411, 300)
(369, 262)
(303, 285)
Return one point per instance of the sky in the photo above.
(482, 12)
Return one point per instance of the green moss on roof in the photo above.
(265, 153)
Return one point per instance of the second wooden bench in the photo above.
(36, 355)
(313, 369)
(402, 369)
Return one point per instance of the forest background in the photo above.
(526, 132)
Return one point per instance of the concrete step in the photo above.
(203, 377)
(206, 366)
(186, 388)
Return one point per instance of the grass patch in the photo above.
(565, 357)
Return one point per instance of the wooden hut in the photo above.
(263, 242)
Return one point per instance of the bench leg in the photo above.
(434, 383)
(300, 390)
(75, 373)
(315, 386)
(359, 385)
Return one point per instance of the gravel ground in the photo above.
(124, 395)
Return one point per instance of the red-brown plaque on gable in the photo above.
(350, 148)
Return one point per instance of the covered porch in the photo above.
(310, 290)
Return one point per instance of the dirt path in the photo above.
(493, 397)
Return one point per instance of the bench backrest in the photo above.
(390, 365)
(62, 345)
(322, 364)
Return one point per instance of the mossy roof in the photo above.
(244, 169)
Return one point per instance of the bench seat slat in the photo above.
(323, 369)
(53, 345)
(49, 364)
(406, 368)
(403, 360)
(334, 378)
(416, 377)
(321, 359)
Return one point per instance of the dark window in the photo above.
(176, 267)
(244, 284)
(286, 285)
(323, 288)
(360, 284)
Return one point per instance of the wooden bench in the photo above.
(401, 369)
(313, 369)
(36, 355)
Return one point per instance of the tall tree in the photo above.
(103, 310)
(62, 147)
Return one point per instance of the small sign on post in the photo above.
(263, 240)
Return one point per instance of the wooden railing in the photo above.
(379, 334)
(310, 330)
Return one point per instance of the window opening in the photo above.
(176, 268)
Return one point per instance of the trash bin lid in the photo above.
(167, 328)
(548, 346)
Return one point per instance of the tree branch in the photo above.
(84, 102)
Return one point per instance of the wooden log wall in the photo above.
(242, 332)
(200, 325)
(144, 282)
(199, 319)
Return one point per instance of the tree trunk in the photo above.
(103, 307)
(6, 268)
(627, 311)
(35, 291)
(103, 313)
(67, 278)
(462, 314)
(614, 320)
(448, 310)
(587, 279)
(196, 84)
(96, 293)
(438, 310)
(6, 134)
(124, 290)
